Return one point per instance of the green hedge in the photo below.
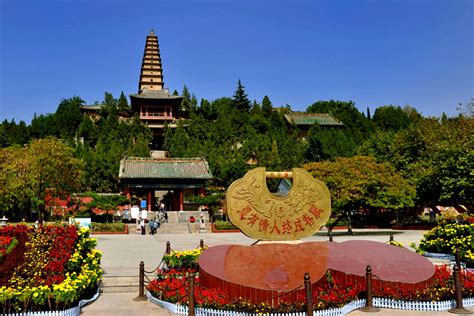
(108, 227)
(342, 222)
(222, 225)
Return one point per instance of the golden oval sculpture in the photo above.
(262, 215)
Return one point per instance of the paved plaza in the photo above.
(123, 253)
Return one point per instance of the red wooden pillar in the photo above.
(128, 192)
(201, 191)
(181, 199)
(149, 201)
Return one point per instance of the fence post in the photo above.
(201, 244)
(459, 309)
(368, 286)
(391, 237)
(309, 294)
(330, 236)
(457, 258)
(191, 311)
(168, 248)
(141, 283)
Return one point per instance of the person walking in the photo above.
(152, 227)
(156, 225)
(142, 226)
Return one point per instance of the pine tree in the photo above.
(267, 106)
(256, 109)
(186, 104)
(240, 99)
(123, 104)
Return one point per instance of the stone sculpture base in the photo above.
(265, 272)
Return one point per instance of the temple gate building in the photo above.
(172, 180)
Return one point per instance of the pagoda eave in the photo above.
(153, 99)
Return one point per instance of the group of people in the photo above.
(155, 224)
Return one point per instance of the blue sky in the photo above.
(373, 52)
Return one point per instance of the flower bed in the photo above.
(7, 244)
(7, 266)
(58, 266)
(395, 243)
(447, 237)
(186, 259)
(172, 284)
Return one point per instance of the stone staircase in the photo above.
(165, 228)
(173, 228)
(120, 284)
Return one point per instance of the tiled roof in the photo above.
(164, 168)
(94, 107)
(324, 119)
(158, 94)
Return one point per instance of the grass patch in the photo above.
(107, 227)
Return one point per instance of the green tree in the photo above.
(378, 146)
(122, 104)
(176, 141)
(357, 128)
(43, 126)
(314, 148)
(15, 191)
(240, 99)
(438, 157)
(208, 110)
(267, 106)
(89, 131)
(233, 170)
(189, 101)
(68, 117)
(44, 169)
(108, 107)
(13, 133)
(361, 183)
(106, 202)
(391, 117)
(256, 109)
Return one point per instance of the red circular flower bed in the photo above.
(173, 286)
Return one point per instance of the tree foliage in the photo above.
(44, 169)
(360, 182)
(240, 99)
(235, 134)
(391, 118)
(106, 201)
(439, 157)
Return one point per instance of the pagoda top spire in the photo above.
(151, 73)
